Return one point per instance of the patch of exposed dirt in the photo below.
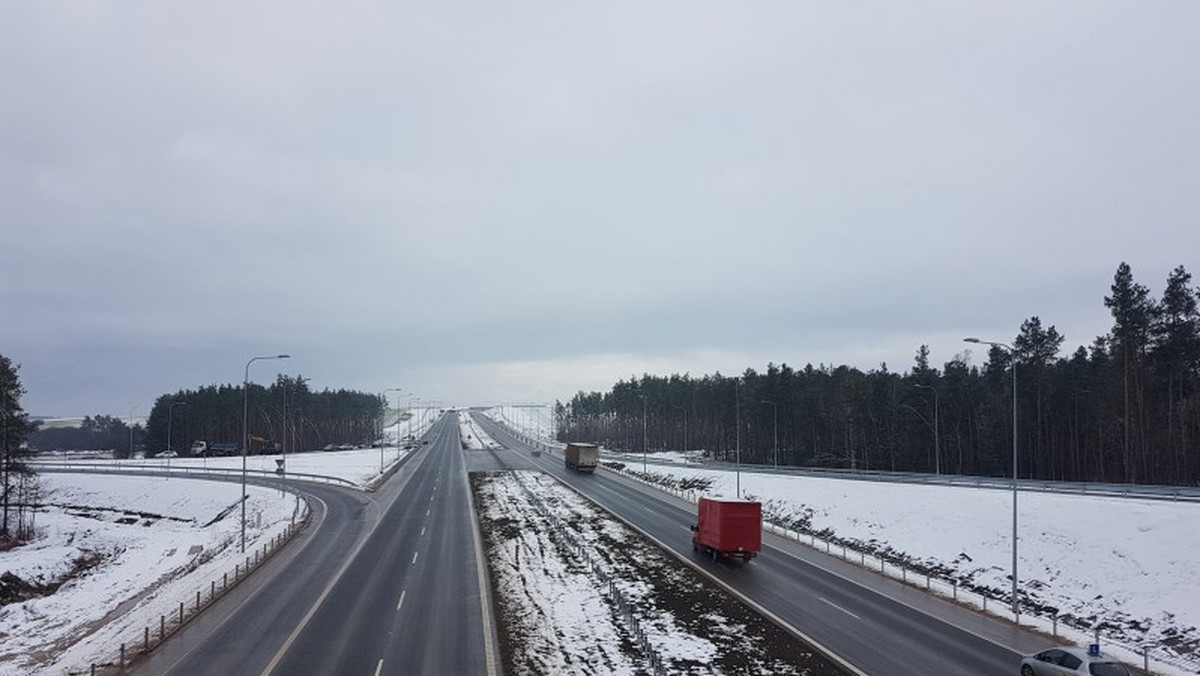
(13, 589)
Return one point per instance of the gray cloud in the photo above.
(478, 201)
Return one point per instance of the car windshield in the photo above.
(1108, 669)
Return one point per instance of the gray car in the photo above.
(1067, 661)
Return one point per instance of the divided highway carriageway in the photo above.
(391, 583)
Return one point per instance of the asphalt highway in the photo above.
(877, 625)
(382, 584)
(390, 583)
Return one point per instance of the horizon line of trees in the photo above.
(1124, 409)
(285, 415)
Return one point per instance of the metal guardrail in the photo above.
(122, 656)
(193, 472)
(1138, 491)
(137, 644)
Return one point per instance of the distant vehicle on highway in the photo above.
(167, 454)
(728, 528)
(1070, 660)
(212, 449)
(582, 457)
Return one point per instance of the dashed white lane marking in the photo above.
(401, 601)
(825, 600)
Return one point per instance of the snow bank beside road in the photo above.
(115, 544)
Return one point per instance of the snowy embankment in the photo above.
(120, 547)
(1126, 566)
(114, 554)
(577, 592)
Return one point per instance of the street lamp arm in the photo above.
(1016, 608)
(977, 341)
(918, 414)
(246, 431)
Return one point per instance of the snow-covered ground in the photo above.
(578, 593)
(1127, 565)
(121, 548)
(128, 550)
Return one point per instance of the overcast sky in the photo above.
(479, 202)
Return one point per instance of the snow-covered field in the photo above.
(579, 593)
(1128, 565)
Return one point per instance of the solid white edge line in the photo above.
(886, 594)
(786, 626)
(799, 543)
(287, 644)
(485, 587)
(324, 515)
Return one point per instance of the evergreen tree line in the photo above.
(1124, 409)
(285, 415)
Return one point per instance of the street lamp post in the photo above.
(411, 396)
(131, 410)
(645, 436)
(776, 411)
(680, 408)
(937, 443)
(399, 393)
(1015, 607)
(246, 433)
(737, 434)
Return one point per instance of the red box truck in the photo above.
(728, 528)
